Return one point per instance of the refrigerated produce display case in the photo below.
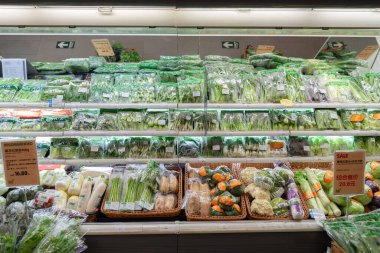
(201, 125)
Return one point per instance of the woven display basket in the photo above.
(192, 217)
(150, 214)
(248, 198)
(335, 248)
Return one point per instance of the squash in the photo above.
(217, 211)
(236, 210)
(205, 172)
(236, 187)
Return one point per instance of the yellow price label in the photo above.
(286, 102)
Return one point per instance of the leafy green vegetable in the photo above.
(156, 119)
(189, 146)
(181, 120)
(8, 88)
(139, 147)
(91, 148)
(191, 90)
(255, 146)
(222, 89)
(77, 65)
(213, 146)
(162, 147)
(234, 147)
(56, 122)
(232, 121)
(115, 147)
(131, 119)
(85, 120)
(354, 119)
(284, 120)
(328, 119)
(306, 120)
(64, 148)
(167, 92)
(107, 121)
(258, 121)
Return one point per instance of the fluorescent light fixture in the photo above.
(345, 9)
(18, 6)
(105, 10)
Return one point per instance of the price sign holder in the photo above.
(103, 47)
(349, 178)
(20, 163)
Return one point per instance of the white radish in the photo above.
(76, 185)
(96, 197)
(63, 183)
(72, 203)
(85, 194)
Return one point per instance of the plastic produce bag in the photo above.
(277, 147)
(162, 147)
(102, 79)
(115, 147)
(167, 92)
(273, 85)
(216, 58)
(7, 123)
(148, 64)
(249, 87)
(54, 92)
(206, 120)
(168, 65)
(77, 65)
(181, 120)
(142, 94)
(258, 121)
(328, 119)
(51, 68)
(30, 91)
(284, 119)
(169, 76)
(107, 121)
(191, 90)
(234, 147)
(28, 125)
(102, 94)
(85, 120)
(299, 146)
(78, 91)
(213, 146)
(370, 144)
(319, 146)
(64, 148)
(43, 147)
(96, 62)
(370, 83)
(139, 147)
(295, 88)
(91, 148)
(232, 121)
(222, 89)
(374, 119)
(156, 119)
(56, 122)
(354, 119)
(189, 147)
(59, 80)
(315, 91)
(125, 78)
(306, 120)
(341, 143)
(131, 119)
(255, 146)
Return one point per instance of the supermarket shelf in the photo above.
(295, 105)
(26, 105)
(191, 105)
(121, 133)
(248, 133)
(104, 161)
(31, 134)
(122, 105)
(336, 133)
(183, 227)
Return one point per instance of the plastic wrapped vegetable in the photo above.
(141, 93)
(102, 94)
(162, 147)
(319, 146)
(189, 147)
(64, 148)
(370, 83)
(156, 119)
(234, 147)
(294, 202)
(139, 147)
(91, 148)
(258, 121)
(28, 124)
(273, 85)
(78, 91)
(213, 146)
(365, 198)
(30, 91)
(102, 79)
(43, 147)
(206, 121)
(96, 61)
(7, 123)
(295, 88)
(341, 143)
(277, 146)
(85, 120)
(54, 92)
(51, 68)
(373, 119)
(191, 90)
(306, 120)
(131, 119)
(107, 121)
(56, 122)
(299, 146)
(280, 207)
(77, 65)
(9, 88)
(284, 120)
(354, 119)
(115, 147)
(315, 91)
(223, 89)
(249, 87)
(232, 121)
(373, 168)
(169, 76)
(328, 119)
(181, 120)
(255, 146)
(167, 92)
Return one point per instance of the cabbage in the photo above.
(339, 200)
(365, 198)
(355, 207)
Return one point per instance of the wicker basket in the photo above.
(150, 214)
(191, 217)
(254, 216)
(335, 248)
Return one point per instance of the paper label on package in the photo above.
(121, 150)
(349, 167)
(161, 122)
(106, 95)
(214, 121)
(280, 87)
(67, 149)
(20, 163)
(188, 117)
(113, 206)
(196, 93)
(225, 91)
(334, 116)
(263, 147)
(82, 90)
(325, 145)
(94, 148)
(306, 148)
(125, 94)
(169, 149)
(372, 139)
(302, 88)
(216, 147)
(61, 125)
(43, 197)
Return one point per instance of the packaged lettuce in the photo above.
(78, 91)
(272, 85)
(328, 119)
(125, 78)
(117, 68)
(306, 120)
(139, 147)
(54, 92)
(213, 146)
(7, 123)
(148, 78)
(206, 120)
(284, 119)
(8, 88)
(249, 88)
(191, 90)
(56, 122)
(30, 91)
(198, 74)
(156, 119)
(370, 83)
(64, 148)
(107, 120)
(162, 147)
(233, 147)
(102, 94)
(341, 143)
(373, 119)
(189, 146)
(116, 147)
(168, 65)
(96, 62)
(166, 92)
(319, 146)
(216, 58)
(51, 68)
(28, 124)
(258, 120)
(148, 64)
(77, 65)
(169, 76)
(59, 80)
(232, 121)
(141, 94)
(255, 146)
(295, 88)
(354, 119)
(315, 91)
(102, 79)
(343, 91)
(370, 144)
(223, 89)
(91, 148)
(181, 120)
(85, 119)
(43, 146)
(131, 119)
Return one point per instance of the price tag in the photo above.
(188, 117)
(196, 93)
(302, 88)
(20, 163)
(106, 95)
(325, 146)
(263, 147)
(286, 102)
(125, 94)
(169, 149)
(162, 122)
(349, 169)
(103, 47)
(214, 121)
(14, 68)
(372, 139)
(306, 148)
(82, 90)
(367, 52)
(317, 214)
(121, 150)
(67, 149)
(216, 147)
(262, 49)
(334, 115)
(322, 91)
(94, 148)
(225, 91)
(280, 87)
